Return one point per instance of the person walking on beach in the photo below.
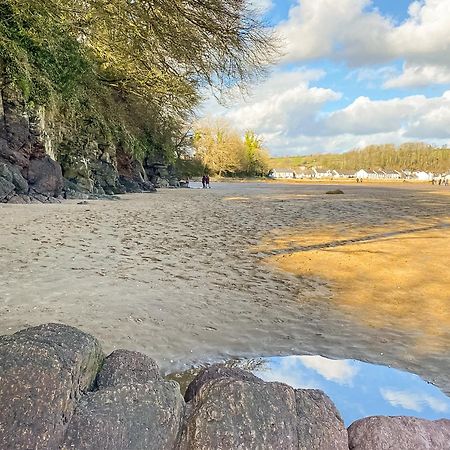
(207, 182)
(204, 181)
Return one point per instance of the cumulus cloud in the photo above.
(284, 104)
(416, 117)
(418, 76)
(355, 32)
(414, 401)
(341, 372)
(288, 113)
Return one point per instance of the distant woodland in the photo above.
(409, 156)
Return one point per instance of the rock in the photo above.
(235, 414)
(104, 175)
(137, 416)
(6, 189)
(319, 424)
(43, 372)
(13, 175)
(335, 192)
(240, 411)
(45, 177)
(401, 433)
(126, 367)
(129, 185)
(216, 372)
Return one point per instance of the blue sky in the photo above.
(352, 73)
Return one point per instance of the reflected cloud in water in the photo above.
(359, 389)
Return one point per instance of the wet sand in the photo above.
(190, 276)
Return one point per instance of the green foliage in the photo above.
(127, 72)
(409, 156)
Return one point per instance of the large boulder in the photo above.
(127, 367)
(399, 433)
(236, 410)
(134, 416)
(43, 373)
(45, 177)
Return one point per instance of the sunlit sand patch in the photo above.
(231, 199)
(391, 281)
(284, 197)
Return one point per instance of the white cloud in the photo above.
(341, 372)
(289, 370)
(414, 401)
(282, 105)
(412, 117)
(354, 32)
(287, 112)
(418, 76)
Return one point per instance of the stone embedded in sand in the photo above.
(335, 192)
(229, 412)
(43, 372)
(137, 416)
(127, 367)
(401, 433)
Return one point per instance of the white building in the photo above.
(343, 174)
(282, 173)
(391, 174)
(322, 173)
(423, 176)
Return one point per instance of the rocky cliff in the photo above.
(59, 391)
(41, 160)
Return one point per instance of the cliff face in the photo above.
(42, 158)
(26, 169)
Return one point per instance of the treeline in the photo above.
(221, 150)
(409, 156)
(133, 70)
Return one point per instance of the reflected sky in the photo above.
(359, 389)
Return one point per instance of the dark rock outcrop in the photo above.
(401, 433)
(43, 373)
(24, 160)
(41, 160)
(45, 177)
(126, 367)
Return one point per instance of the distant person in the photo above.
(207, 182)
(204, 181)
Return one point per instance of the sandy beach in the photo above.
(190, 275)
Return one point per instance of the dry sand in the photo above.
(190, 276)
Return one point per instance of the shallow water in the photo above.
(358, 389)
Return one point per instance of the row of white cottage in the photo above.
(361, 174)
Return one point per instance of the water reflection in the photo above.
(358, 389)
